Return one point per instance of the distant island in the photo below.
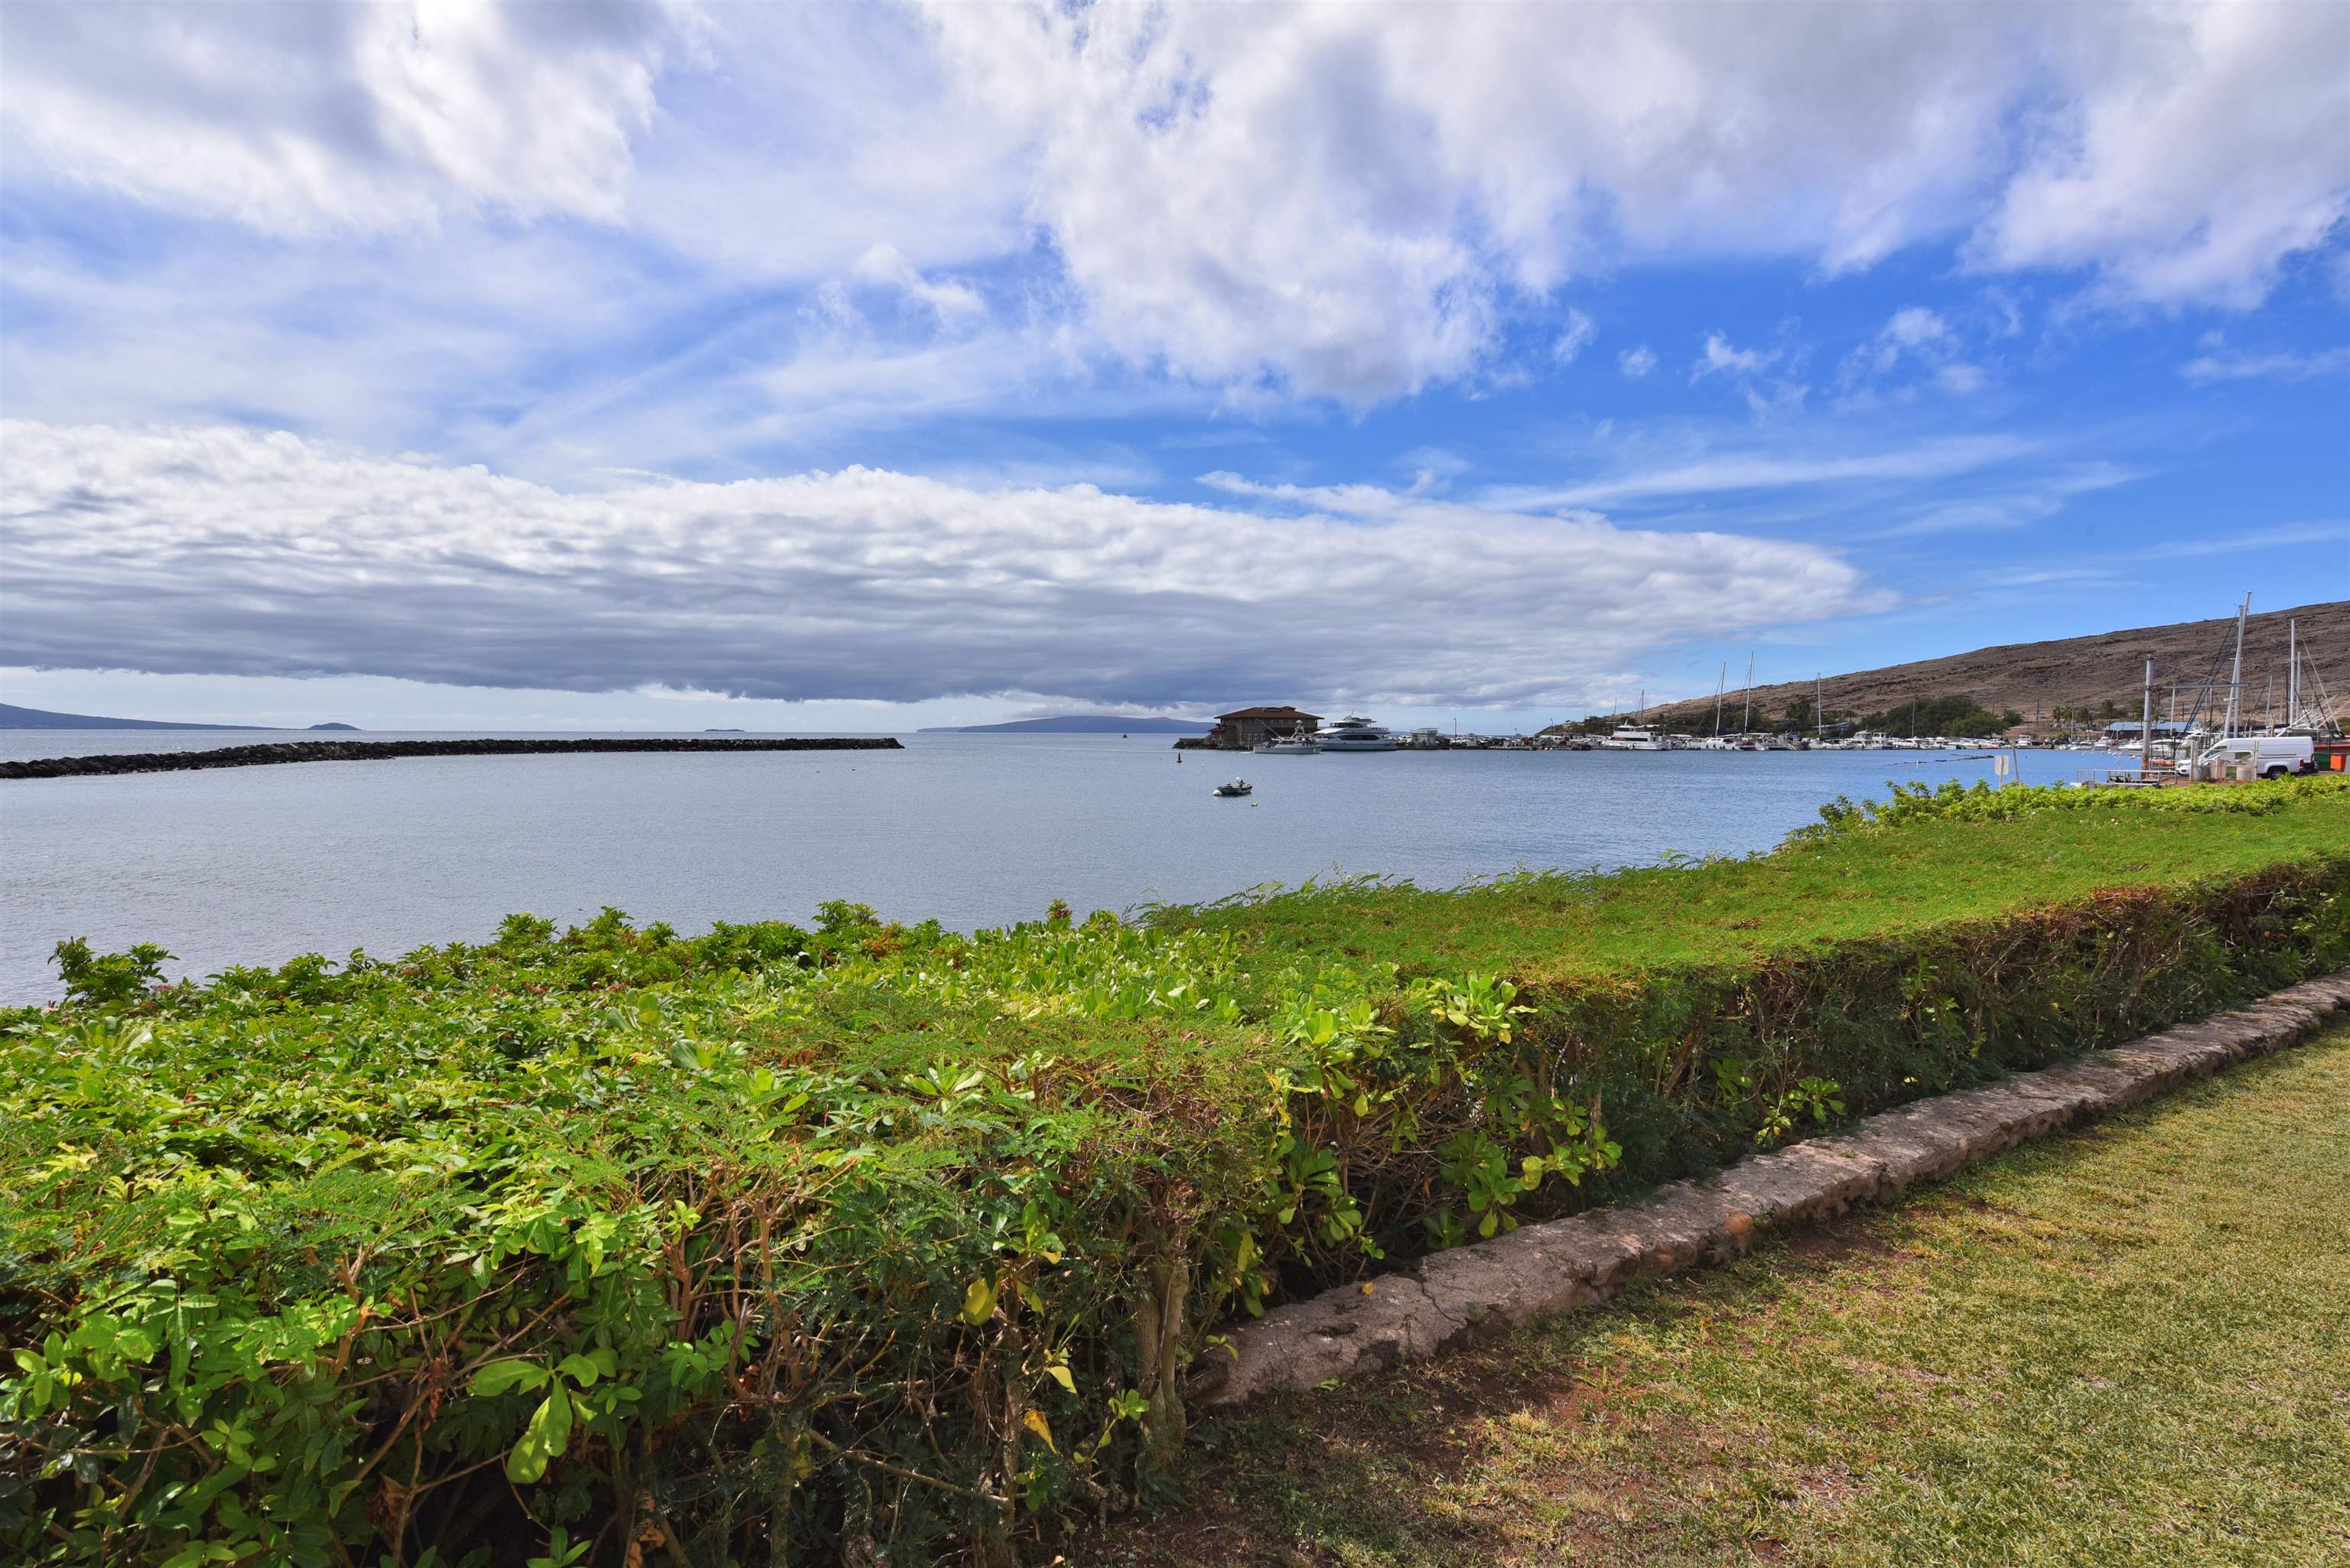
(11, 717)
(1079, 724)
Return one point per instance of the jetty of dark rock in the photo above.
(374, 750)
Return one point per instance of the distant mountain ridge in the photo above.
(1079, 724)
(13, 717)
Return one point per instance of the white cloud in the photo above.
(1722, 359)
(1916, 338)
(1637, 362)
(2285, 536)
(1743, 369)
(302, 118)
(224, 552)
(1576, 337)
(2189, 151)
(2224, 363)
(1913, 326)
(1343, 201)
(952, 303)
(1941, 458)
(1352, 198)
(2018, 506)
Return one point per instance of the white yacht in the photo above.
(1636, 738)
(1356, 733)
(1304, 743)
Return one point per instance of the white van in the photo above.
(2270, 756)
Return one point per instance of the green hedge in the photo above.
(775, 1246)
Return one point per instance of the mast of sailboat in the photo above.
(1819, 712)
(2146, 726)
(2292, 674)
(2236, 677)
(1746, 720)
(1721, 684)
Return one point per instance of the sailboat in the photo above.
(1715, 742)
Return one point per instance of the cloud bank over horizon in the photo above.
(230, 553)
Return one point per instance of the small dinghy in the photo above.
(1236, 788)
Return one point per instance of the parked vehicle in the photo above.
(2270, 756)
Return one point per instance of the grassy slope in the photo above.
(2126, 1347)
(1532, 928)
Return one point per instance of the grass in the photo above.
(1544, 927)
(2129, 1345)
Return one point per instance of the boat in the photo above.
(1356, 733)
(1301, 745)
(1635, 738)
(1234, 789)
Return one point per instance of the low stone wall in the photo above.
(1571, 1263)
(371, 751)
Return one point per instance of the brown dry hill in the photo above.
(2031, 677)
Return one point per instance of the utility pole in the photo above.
(2146, 728)
(1819, 713)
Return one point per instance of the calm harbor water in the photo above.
(255, 864)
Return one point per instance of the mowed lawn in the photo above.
(2130, 1345)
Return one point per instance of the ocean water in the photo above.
(256, 864)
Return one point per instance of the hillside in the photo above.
(2031, 677)
(11, 717)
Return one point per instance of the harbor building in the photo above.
(1247, 727)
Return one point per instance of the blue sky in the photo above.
(857, 367)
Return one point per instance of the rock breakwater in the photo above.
(375, 751)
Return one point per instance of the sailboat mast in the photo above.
(2236, 677)
(1721, 684)
(1746, 722)
(2292, 674)
(1819, 711)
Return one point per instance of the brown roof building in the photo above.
(1246, 727)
